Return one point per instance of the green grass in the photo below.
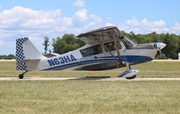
(147, 70)
(91, 97)
(60, 97)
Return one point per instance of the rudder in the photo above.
(20, 53)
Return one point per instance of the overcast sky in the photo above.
(39, 18)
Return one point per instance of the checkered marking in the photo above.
(20, 53)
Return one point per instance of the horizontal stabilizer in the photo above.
(27, 60)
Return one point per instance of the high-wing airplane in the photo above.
(106, 48)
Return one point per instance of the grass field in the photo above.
(92, 97)
(147, 70)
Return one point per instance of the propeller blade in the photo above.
(160, 45)
(160, 52)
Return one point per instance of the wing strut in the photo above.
(105, 48)
(117, 49)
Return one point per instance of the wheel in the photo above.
(132, 77)
(21, 76)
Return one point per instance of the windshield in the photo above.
(127, 42)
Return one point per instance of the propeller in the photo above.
(159, 46)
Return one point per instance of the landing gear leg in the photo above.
(129, 68)
(21, 76)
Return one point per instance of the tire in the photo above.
(132, 77)
(21, 76)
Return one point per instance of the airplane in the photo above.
(106, 48)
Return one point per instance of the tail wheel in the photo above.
(132, 77)
(21, 76)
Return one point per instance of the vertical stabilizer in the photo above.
(26, 53)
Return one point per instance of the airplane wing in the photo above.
(103, 34)
(109, 33)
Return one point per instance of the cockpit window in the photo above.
(127, 42)
(91, 50)
(111, 47)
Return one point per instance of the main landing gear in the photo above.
(129, 74)
(133, 72)
(21, 76)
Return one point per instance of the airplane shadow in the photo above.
(92, 78)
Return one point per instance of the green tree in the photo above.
(46, 44)
(172, 44)
(162, 56)
(67, 43)
(10, 56)
(178, 49)
(132, 36)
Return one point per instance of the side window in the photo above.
(91, 51)
(86, 52)
(96, 49)
(111, 47)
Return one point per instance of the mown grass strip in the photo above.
(52, 97)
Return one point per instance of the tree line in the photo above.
(172, 42)
(66, 43)
(10, 56)
(69, 42)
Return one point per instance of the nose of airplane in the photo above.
(160, 45)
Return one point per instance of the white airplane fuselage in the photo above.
(74, 60)
(106, 48)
